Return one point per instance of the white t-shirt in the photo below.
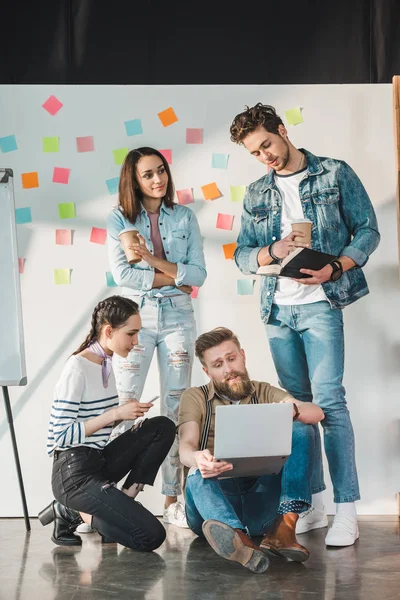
(287, 290)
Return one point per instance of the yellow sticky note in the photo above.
(229, 250)
(237, 192)
(119, 155)
(210, 191)
(62, 276)
(51, 144)
(167, 116)
(294, 116)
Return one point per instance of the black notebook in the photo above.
(301, 258)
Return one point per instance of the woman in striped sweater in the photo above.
(86, 466)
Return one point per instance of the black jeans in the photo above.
(82, 476)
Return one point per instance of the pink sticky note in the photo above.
(21, 264)
(194, 136)
(195, 292)
(63, 237)
(167, 154)
(52, 105)
(185, 196)
(98, 236)
(85, 144)
(224, 221)
(61, 175)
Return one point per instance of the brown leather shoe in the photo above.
(235, 545)
(281, 540)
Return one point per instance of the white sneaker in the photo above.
(175, 515)
(85, 528)
(344, 532)
(314, 518)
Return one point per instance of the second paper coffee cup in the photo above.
(129, 237)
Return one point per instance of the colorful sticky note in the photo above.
(66, 210)
(8, 143)
(51, 144)
(237, 192)
(23, 215)
(112, 185)
(119, 155)
(167, 154)
(185, 196)
(52, 105)
(110, 280)
(210, 191)
(224, 221)
(245, 287)
(167, 116)
(62, 276)
(63, 237)
(195, 291)
(133, 127)
(98, 236)
(85, 143)
(219, 161)
(294, 116)
(229, 250)
(194, 136)
(21, 265)
(61, 175)
(30, 180)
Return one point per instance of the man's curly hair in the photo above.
(248, 121)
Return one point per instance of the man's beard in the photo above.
(235, 391)
(285, 158)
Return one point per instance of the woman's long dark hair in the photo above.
(114, 311)
(130, 196)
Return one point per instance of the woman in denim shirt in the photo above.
(161, 283)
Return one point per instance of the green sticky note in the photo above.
(51, 144)
(110, 280)
(119, 155)
(67, 210)
(245, 287)
(237, 193)
(294, 116)
(62, 276)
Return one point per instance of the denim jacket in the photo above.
(344, 224)
(182, 243)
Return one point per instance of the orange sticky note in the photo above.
(224, 221)
(210, 191)
(98, 236)
(21, 264)
(30, 180)
(167, 116)
(195, 291)
(229, 250)
(63, 237)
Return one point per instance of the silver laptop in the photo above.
(255, 438)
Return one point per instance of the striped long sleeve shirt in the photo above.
(79, 395)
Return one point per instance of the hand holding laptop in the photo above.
(210, 466)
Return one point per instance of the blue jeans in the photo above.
(252, 503)
(307, 346)
(168, 325)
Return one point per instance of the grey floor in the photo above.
(31, 567)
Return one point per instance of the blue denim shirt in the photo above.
(344, 224)
(182, 242)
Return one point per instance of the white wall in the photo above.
(352, 122)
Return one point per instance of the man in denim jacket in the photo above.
(302, 317)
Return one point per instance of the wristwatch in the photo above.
(337, 270)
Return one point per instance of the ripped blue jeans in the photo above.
(253, 503)
(168, 326)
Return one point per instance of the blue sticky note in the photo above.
(133, 127)
(23, 215)
(8, 143)
(245, 287)
(110, 280)
(219, 161)
(112, 185)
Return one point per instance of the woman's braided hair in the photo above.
(114, 311)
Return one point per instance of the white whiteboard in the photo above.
(12, 355)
